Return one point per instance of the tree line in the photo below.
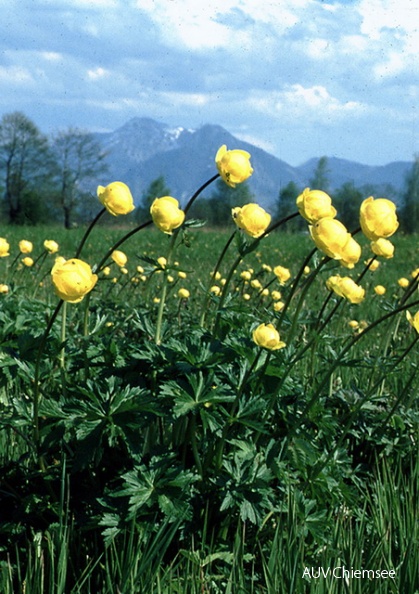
(44, 179)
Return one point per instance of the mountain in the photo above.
(143, 149)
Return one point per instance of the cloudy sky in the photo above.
(300, 78)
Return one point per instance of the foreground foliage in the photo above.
(198, 420)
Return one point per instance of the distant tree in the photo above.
(79, 157)
(286, 205)
(410, 209)
(156, 189)
(347, 201)
(26, 163)
(320, 179)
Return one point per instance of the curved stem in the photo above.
(88, 231)
(199, 190)
(120, 242)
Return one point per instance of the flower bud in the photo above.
(166, 214)
(413, 320)
(314, 205)
(116, 198)
(119, 258)
(4, 247)
(25, 246)
(72, 279)
(330, 236)
(267, 337)
(233, 166)
(252, 218)
(382, 247)
(378, 218)
(51, 246)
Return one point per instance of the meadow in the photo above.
(153, 438)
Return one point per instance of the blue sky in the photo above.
(300, 78)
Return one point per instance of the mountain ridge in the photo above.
(143, 149)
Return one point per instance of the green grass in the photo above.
(198, 463)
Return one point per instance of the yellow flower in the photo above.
(354, 324)
(215, 290)
(116, 198)
(314, 205)
(245, 275)
(382, 247)
(330, 236)
(403, 282)
(267, 337)
(246, 296)
(4, 247)
(25, 246)
(182, 274)
(27, 261)
(119, 258)
(278, 306)
(372, 264)
(72, 279)
(4, 289)
(106, 271)
(276, 295)
(252, 218)
(140, 270)
(161, 261)
(183, 294)
(233, 166)
(51, 246)
(306, 270)
(350, 253)
(413, 320)
(415, 273)
(380, 290)
(346, 287)
(256, 284)
(282, 274)
(166, 214)
(378, 218)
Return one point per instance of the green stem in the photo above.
(214, 272)
(88, 231)
(63, 335)
(164, 290)
(199, 190)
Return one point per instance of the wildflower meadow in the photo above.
(184, 410)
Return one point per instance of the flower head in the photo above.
(379, 290)
(51, 246)
(25, 246)
(350, 253)
(267, 337)
(4, 289)
(233, 166)
(346, 287)
(382, 247)
(252, 218)
(72, 279)
(330, 236)
(119, 257)
(378, 218)
(314, 205)
(413, 320)
(166, 214)
(4, 247)
(27, 261)
(183, 294)
(282, 274)
(116, 198)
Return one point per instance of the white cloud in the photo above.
(96, 73)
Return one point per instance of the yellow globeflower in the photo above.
(276, 295)
(183, 294)
(330, 236)
(51, 246)
(267, 337)
(25, 246)
(72, 279)
(380, 290)
(4, 289)
(403, 282)
(252, 218)
(415, 273)
(233, 166)
(215, 290)
(314, 205)
(382, 247)
(282, 274)
(372, 264)
(27, 261)
(354, 324)
(378, 218)
(346, 287)
(116, 198)
(278, 306)
(413, 320)
(166, 214)
(4, 247)
(350, 254)
(245, 275)
(120, 258)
